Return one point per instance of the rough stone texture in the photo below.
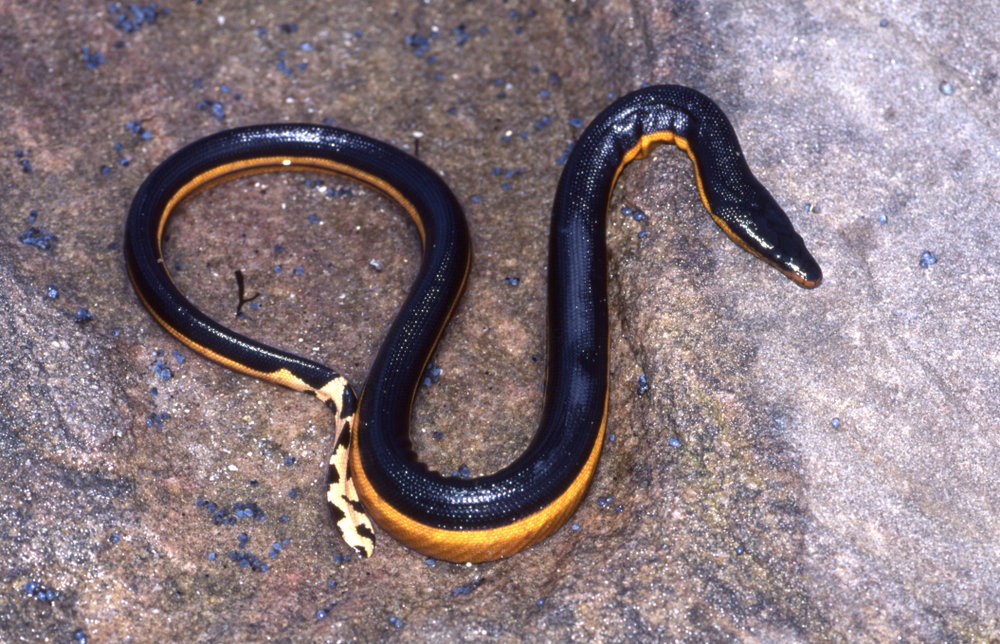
(745, 514)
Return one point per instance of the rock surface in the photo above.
(806, 466)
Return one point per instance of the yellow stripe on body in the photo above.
(645, 146)
(476, 546)
(259, 165)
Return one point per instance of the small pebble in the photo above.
(38, 237)
(162, 370)
(92, 60)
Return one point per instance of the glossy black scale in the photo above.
(574, 410)
(577, 382)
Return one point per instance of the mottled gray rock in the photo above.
(806, 466)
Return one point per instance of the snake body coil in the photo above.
(374, 464)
